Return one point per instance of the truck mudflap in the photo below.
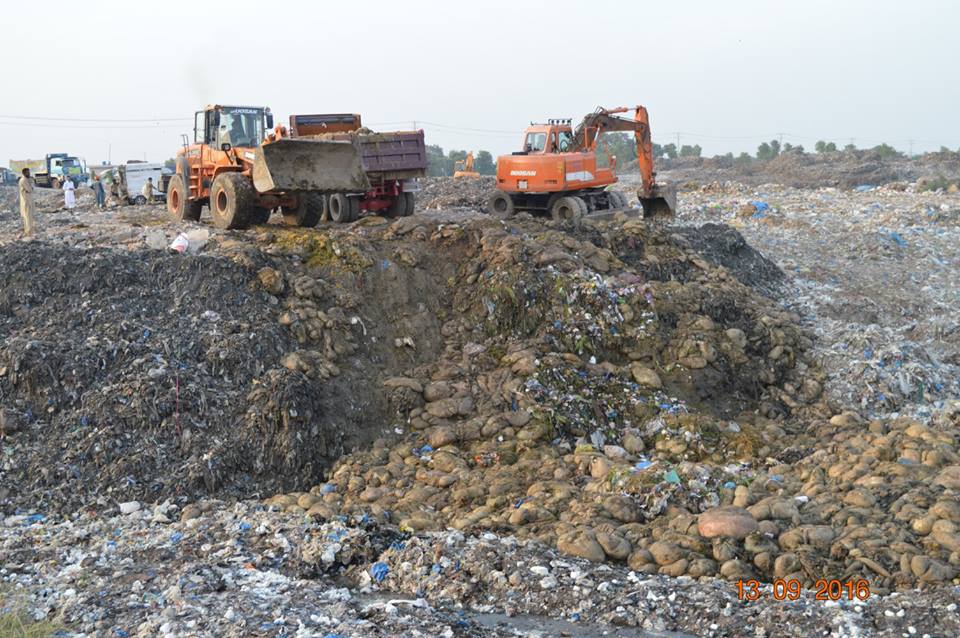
(309, 165)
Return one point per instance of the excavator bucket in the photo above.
(662, 201)
(309, 165)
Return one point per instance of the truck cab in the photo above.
(61, 166)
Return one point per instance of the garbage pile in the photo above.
(449, 192)
(883, 301)
(523, 417)
(157, 376)
(842, 169)
(217, 569)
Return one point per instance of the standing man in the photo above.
(26, 202)
(147, 190)
(69, 193)
(99, 192)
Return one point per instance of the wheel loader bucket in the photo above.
(661, 203)
(309, 165)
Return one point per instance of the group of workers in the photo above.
(28, 207)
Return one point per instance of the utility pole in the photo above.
(780, 139)
(911, 148)
(678, 142)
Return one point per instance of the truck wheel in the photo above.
(308, 212)
(567, 208)
(411, 203)
(500, 205)
(232, 201)
(343, 209)
(180, 207)
(261, 215)
(398, 207)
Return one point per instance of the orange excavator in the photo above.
(464, 167)
(557, 170)
(241, 167)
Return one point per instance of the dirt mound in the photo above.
(724, 246)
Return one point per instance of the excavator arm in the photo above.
(656, 199)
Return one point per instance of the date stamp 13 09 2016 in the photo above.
(824, 589)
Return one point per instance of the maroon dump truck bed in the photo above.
(391, 155)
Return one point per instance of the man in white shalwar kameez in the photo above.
(69, 193)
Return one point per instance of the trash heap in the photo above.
(460, 192)
(882, 303)
(609, 392)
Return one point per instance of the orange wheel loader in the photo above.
(557, 170)
(242, 170)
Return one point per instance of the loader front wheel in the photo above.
(308, 212)
(343, 209)
(500, 205)
(232, 201)
(567, 209)
(180, 207)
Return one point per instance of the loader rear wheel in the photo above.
(343, 209)
(232, 201)
(500, 205)
(180, 207)
(309, 210)
(398, 207)
(567, 208)
(411, 203)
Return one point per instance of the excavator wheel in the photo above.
(500, 205)
(411, 203)
(180, 207)
(343, 209)
(584, 206)
(568, 208)
(309, 210)
(617, 200)
(233, 201)
(398, 207)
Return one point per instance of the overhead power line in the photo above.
(93, 119)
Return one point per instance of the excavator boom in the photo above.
(657, 200)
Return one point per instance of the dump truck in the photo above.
(557, 169)
(242, 170)
(393, 162)
(51, 171)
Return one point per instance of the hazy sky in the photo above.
(724, 74)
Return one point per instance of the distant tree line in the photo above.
(624, 147)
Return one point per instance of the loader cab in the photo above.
(546, 139)
(226, 127)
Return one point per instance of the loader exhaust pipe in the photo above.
(324, 166)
